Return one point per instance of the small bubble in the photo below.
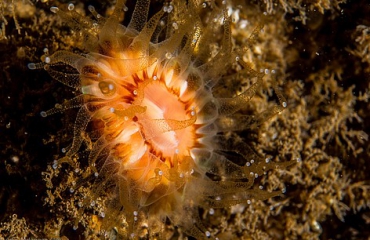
(91, 8)
(283, 190)
(54, 9)
(267, 160)
(71, 6)
(102, 214)
(248, 164)
(46, 50)
(251, 173)
(181, 175)
(75, 228)
(92, 204)
(175, 26)
(299, 159)
(155, 78)
(249, 202)
(96, 174)
(47, 59)
(168, 55)
(71, 190)
(252, 161)
(285, 104)
(211, 211)
(112, 109)
(135, 92)
(160, 173)
(260, 187)
(135, 213)
(218, 198)
(256, 175)
(208, 234)
(267, 71)
(273, 71)
(55, 164)
(43, 114)
(204, 5)
(192, 113)
(31, 66)
(64, 150)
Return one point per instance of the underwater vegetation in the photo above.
(175, 124)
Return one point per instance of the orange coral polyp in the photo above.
(146, 117)
(161, 124)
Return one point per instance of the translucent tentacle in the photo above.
(72, 103)
(82, 119)
(231, 105)
(139, 15)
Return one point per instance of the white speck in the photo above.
(252, 161)
(208, 234)
(155, 78)
(15, 159)
(211, 211)
(160, 173)
(47, 59)
(112, 109)
(260, 187)
(92, 204)
(96, 174)
(249, 201)
(135, 213)
(285, 104)
(135, 92)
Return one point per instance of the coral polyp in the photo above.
(158, 142)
